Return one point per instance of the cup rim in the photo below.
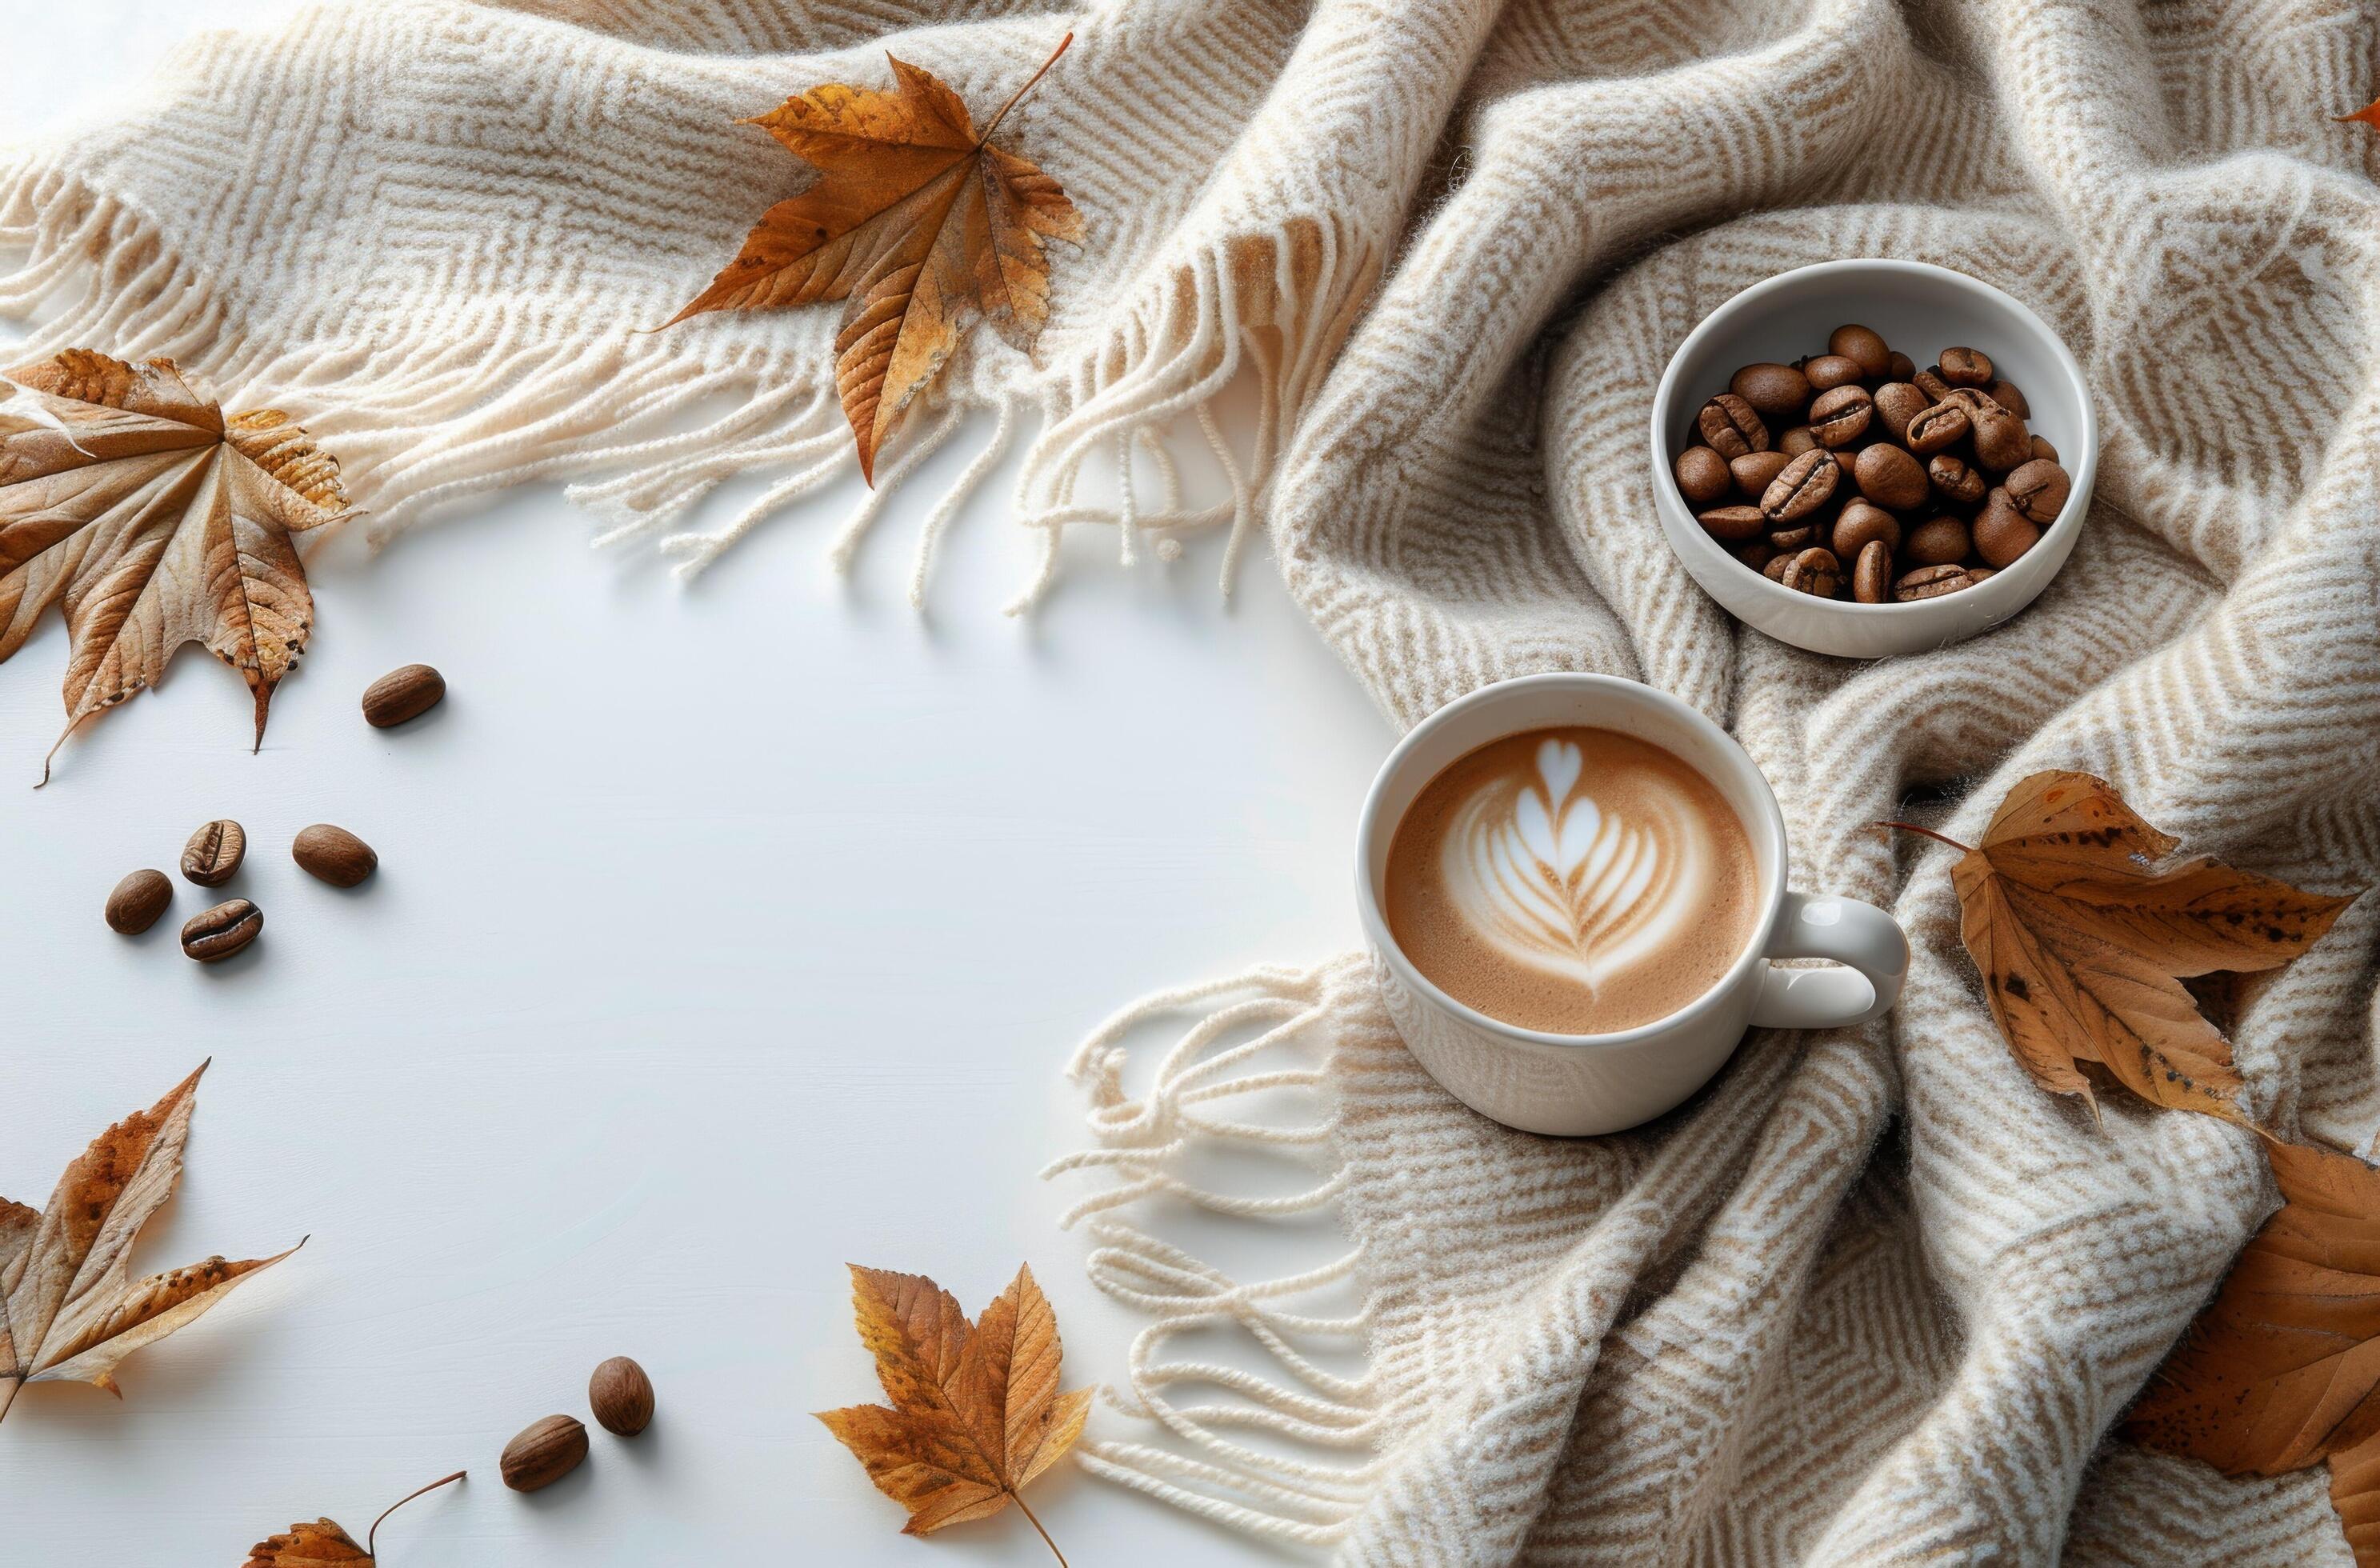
(1771, 827)
(1744, 301)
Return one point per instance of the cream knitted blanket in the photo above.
(1872, 1297)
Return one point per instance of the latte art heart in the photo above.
(1552, 877)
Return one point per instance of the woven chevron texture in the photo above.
(1871, 1297)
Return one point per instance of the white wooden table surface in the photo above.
(722, 935)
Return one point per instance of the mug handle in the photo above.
(1871, 959)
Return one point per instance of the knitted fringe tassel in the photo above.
(423, 428)
(1143, 1144)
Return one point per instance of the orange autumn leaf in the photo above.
(129, 500)
(2282, 1369)
(324, 1544)
(2084, 934)
(2369, 115)
(916, 220)
(976, 1412)
(69, 1309)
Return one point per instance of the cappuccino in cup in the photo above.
(1571, 880)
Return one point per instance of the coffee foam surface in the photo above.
(1577, 881)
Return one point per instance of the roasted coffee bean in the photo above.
(1840, 417)
(2039, 488)
(1872, 573)
(1774, 570)
(1703, 475)
(1943, 425)
(1772, 390)
(1730, 524)
(214, 852)
(1972, 398)
(1929, 381)
(1965, 367)
(2042, 450)
(1756, 555)
(1805, 484)
(1955, 481)
(137, 902)
(404, 693)
(1815, 572)
(211, 935)
(1830, 371)
(1941, 542)
(1847, 459)
(1897, 402)
(1755, 469)
(1795, 442)
(1889, 476)
(1730, 427)
(1932, 582)
(2005, 394)
(2002, 532)
(333, 854)
(1862, 524)
(1794, 536)
(2001, 442)
(1900, 367)
(1862, 346)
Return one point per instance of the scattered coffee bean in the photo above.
(1889, 476)
(1753, 471)
(1757, 554)
(1733, 523)
(544, 1452)
(1840, 417)
(1805, 483)
(1771, 389)
(1815, 572)
(1965, 366)
(1830, 371)
(406, 693)
(1932, 582)
(1954, 480)
(2042, 449)
(1872, 576)
(1792, 537)
(1941, 542)
(1795, 442)
(2005, 394)
(1936, 429)
(1731, 428)
(2001, 441)
(1864, 347)
(621, 1397)
(137, 902)
(333, 854)
(1897, 402)
(211, 935)
(1702, 475)
(2039, 488)
(1774, 570)
(1862, 524)
(2002, 532)
(214, 852)
(1900, 367)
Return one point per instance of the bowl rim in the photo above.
(1744, 302)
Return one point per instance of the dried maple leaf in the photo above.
(323, 1544)
(915, 219)
(2282, 1369)
(976, 1408)
(132, 502)
(2084, 937)
(69, 1311)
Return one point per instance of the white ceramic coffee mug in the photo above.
(1579, 1084)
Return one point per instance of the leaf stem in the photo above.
(372, 1535)
(985, 135)
(1019, 1495)
(1929, 832)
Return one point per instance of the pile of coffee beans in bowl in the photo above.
(1854, 474)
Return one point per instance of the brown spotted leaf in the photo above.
(130, 501)
(917, 221)
(323, 1544)
(2282, 1369)
(976, 1412)
(69, 1309)
(2084, 933)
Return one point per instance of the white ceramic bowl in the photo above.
(1921, 310)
